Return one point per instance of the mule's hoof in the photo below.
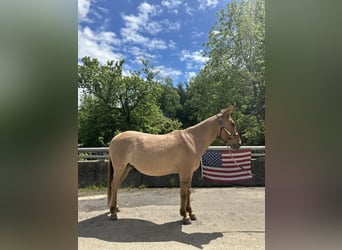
(193, 217)
(117, 209)
(186, 221)
(113, 217)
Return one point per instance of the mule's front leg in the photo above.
(188, 207)
(184, 194)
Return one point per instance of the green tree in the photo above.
(95, 124)
(169, 99)
(236, 49)
(235, 71)
(113, 102)
(101, 81)
(183, 114)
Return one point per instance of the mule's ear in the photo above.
(230, 108)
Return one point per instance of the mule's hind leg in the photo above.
(124, 175)
(114, 191)
(119, 174)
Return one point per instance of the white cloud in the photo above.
(142, 20)
(83, 9)
(130, 35)
(153, 27)
(149, 9)
(196, 34)
(168, 72)
(195, 57)
(98, 45)
(172, 44)
(139, 53)
(156, 44)
(188, 10)
(190, 75)
(170, 26)
(171, 3)
(88, 12)
(189, 65)
(207, 4)
(138, 26)
(215, 32)
(193, 61)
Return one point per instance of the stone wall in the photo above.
(95, 173)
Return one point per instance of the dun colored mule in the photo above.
(177, 152)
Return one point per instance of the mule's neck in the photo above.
(204, 133)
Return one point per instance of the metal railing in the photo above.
(101, 153)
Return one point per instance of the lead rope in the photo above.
(249, 172)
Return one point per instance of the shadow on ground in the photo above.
(135, 230)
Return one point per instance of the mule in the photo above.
(178, 152)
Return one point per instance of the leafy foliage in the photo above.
(235, 72)
(114, 103)
(169, 100)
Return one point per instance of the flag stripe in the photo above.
(227, 180)
(233, 164)
(226, 170)
(247, 157)
(228, 177)
(215, 173)
(227, 166)
(235, 155)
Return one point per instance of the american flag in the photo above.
(227, 166)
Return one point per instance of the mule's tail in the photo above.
(110, 173)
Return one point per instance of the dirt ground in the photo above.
(228, 218)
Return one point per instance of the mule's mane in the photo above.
(200, 123)
(230, 107)
(223, 110)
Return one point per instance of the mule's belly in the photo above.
(157, 173)
(155, 170)
(164, 165)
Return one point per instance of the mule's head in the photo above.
(228, 131)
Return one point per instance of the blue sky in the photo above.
(170, 33)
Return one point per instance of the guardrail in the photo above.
(101, 153)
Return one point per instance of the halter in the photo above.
(231, 136)
(222, 127)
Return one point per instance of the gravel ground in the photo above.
(228, 218)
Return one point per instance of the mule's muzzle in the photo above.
(236, 145)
